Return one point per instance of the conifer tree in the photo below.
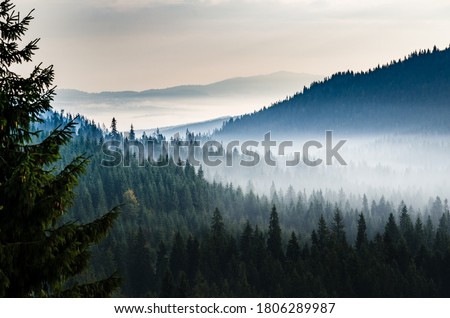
(177, 255)
(193, 257)
(274, 239)
(114, 132)
(217, 226)
(141, 276)
(132, 135)
(365, 205)
(361, 236)
(293, 249)
(246, 242)
(38, 254)
(406, 227)
(323, 234)
(338, 228)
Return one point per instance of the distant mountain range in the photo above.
(183, 104)
(406, 96)
(286, 83)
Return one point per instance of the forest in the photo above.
(181, 236)
(71, 226)
(407, 95)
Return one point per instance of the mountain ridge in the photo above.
(407, 95)
(183, 104)
(192, 89)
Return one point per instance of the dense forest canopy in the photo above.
(188, 237)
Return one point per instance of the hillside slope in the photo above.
(410, 95)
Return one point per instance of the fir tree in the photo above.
(293, 249)
(193, 257)
(338, 228)
(217, 226)
(274, 239)
(246, 242)
(365, 205)
(177, 255)
(141, 276)
(406, 227)
(361, 236)
(38, 253)
(132, 135)
(323, 234)
(114, 132)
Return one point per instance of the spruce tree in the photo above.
(274, 239)
(132, 135)
(140, 267)
(406, 226)
(293, 249)
(193, 257)
(246, 242)
(323, 234)
(38, 254)
(177, 256)
(338, 229)
(114, 132)
(361, 236)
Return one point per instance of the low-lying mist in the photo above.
(413, 168)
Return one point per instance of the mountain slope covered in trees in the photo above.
(180, 236)
(409, 95)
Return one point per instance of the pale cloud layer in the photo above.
(140, 44)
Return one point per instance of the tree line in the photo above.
(405, 260)
(165, 242)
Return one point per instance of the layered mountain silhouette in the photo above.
(183, 104)
(284, 82)
(407, 96)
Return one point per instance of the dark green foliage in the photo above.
(274, 240)
(293, 249)
(407, 228)
(162, 264)
(140, 267)
(193, 257)
(338, 229)
(178, 256)
(361, 237)
(246, 242)
(369, 270)
(38, 253)
(208, 239)
(167, 286)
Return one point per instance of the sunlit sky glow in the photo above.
(139, 44)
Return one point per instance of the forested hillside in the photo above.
(410, 95)
(74, 223)
(179, 235)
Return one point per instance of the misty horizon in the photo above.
(184, 104)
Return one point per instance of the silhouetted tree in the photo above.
(274, 237)
(37, 252)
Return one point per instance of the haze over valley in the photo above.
(174, 159)
(183, 104)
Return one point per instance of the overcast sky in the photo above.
(98, 45)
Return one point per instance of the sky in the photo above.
(110, 45)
